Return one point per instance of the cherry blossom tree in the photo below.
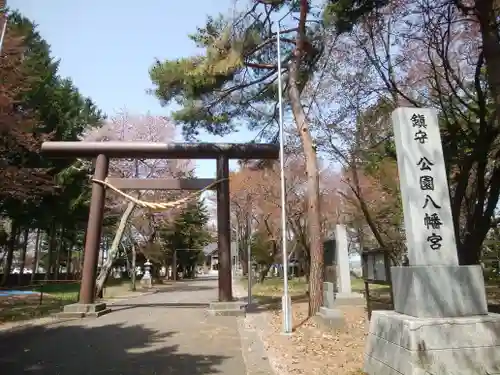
(256, 192)
(148, 128)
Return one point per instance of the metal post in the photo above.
(286, 302)
(93, 236)
(237, 244)
(249, 256)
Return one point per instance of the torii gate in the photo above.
(104, 151)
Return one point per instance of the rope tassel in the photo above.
(157, 205)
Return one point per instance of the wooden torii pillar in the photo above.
(104, 151)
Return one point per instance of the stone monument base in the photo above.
(350, 299)
(147, 282)
(235, 308)
(439, 291)
(82, 310)
(401, 344)
(330, 318)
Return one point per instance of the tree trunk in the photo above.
(133, 278)
(50, 253)
(174, 266)
(128, 266)
(263, 273)
(69, 261)
(11, 246)
(313, 208)
(102, 251)
(488, 14)
(468, 256)
(34, 268)
(60, 249)
(113, 251)
(243, 255)
(23, 255)
(79, 262)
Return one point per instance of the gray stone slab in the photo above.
(84, 307)
(350, 299)
(236, 308)
(439, 291)
(330, 318)
(437, 333)
(328, 294)
(401, 344)
(83, 310)
(227, 312)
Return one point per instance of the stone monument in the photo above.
(345, 295)
(337, 286)
(328, 314)
(441, 323)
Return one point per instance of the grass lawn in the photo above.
(45, 299)
(273, 287)
(119, 288)
(271, 290)
(298, 286)
(50, 298)
(67, 291)
(358, 285)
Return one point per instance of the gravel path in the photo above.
(168, 332)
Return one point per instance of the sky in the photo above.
(106, 48)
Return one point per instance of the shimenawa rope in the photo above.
(156, 205)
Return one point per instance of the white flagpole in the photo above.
(286, 303)
(4, 29)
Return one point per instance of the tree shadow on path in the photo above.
(73, 349)
(168, 305)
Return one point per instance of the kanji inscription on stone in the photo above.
(424, 188)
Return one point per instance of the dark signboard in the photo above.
(329, 252)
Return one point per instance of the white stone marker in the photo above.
(345, 295)
(343, 260)
(440, 323)
(424, 188)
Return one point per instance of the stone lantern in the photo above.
(147, 280)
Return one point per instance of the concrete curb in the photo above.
(251, 329)
(50, 320)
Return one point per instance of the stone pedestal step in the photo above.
(330, 318)
(236, 308)
(399, 344)
(83, 310)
